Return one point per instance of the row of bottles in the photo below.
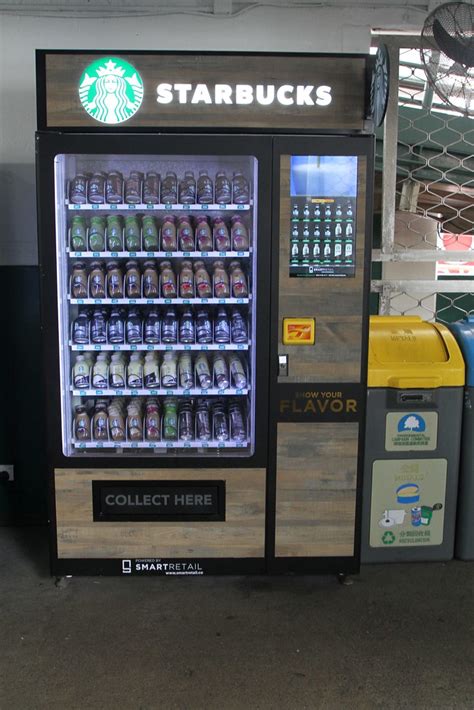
(327, 231)
(153, 420)
(152, 188)
(324, 250)
(167, 370)
(324, 211)
(147, 280)
(136, 233)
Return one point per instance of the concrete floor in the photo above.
(399, 637)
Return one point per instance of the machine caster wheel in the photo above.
(344, 579)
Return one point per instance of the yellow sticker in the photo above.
(298, 331)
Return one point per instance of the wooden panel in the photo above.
(316, 489)
(345, 75)
(335, 303)
(241, 535)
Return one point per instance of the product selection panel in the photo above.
(323, 198)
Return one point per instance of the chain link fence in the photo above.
(424, 263)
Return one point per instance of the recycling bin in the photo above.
(412, 443)
(464, 545)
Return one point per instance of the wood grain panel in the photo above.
(241, 535)
(316, 489)
(336, 304)
(346, 76)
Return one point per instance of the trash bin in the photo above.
(412, 443)
(464, 545)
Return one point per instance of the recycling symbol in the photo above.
(388, 538)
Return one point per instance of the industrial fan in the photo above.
(447, 52)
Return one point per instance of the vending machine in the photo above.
(204, 237)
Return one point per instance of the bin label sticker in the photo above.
(411, 431)
(408, 503)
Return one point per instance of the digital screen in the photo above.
(323, 193)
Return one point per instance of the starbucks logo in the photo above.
(111, 90)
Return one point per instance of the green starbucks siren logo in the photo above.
(111, 90)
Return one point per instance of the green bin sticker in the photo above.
(408, 502)
(411, 431)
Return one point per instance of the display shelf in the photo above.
(154, 392)
(155, 301)
(159, 208)
(178, 444)
(157, 254)
(178, 347)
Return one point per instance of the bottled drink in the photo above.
(81, 373)
(185, 420)
(152, 420)
(219, 419)
(348, 249)
(79, 280)
(78, 233)
(223, 189)
(116, 421)
(169, 377)
(349, 210)
(239, 234)
(99, 422)
(96, 192)
(151, 188)
(203, 326)
(132, 279)
(305, 250)
(98, 327)
(185, 234)
(327, 211)
(203, 424)
(237, 426)
(169, 327)
(135, 420)
(203, 373)
(337, 230)
(100, 372)
(170, 419)
(220, 234)
(168, 280)
(114, 280)
(349, 230)
(114, 187)
(187, 332)
(185, 368)
(133, 188)
(221, 280)
(205, 193)
(169, 189)
(203, 280)
(152, 327)
(97, 234)
(294, 250)
(203, 234)
(327, 232)
(77, 189)
(186, 280)
(82, 424)
(327, 250)
(221, 373)
(133, 327)
(222, 327)
(151, 370)
(238, 281)
(114, 233)
(150, 234)
(80, 329)
(316, 249)
(150, 279)
(240, 189)
(237, 371)
(337, 249)
(317, 211)
(338, 210)
(132, 233)
(135, 371)
(187, 189)
(97, 280)
(117, 371)
(168, 233)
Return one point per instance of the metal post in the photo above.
(390, 140)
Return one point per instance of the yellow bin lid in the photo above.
(408, 353)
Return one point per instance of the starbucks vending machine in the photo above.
(203, 232)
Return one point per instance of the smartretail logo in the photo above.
(161, 567)
(111, 90)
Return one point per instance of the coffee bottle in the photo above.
(237, 371)
(185, 420)
(152, 327)
(240, 189)
(114, 187)
(203, 423)
(203, 326)
(80, 329)
(203, 280)
(223, 189)
(100, 372)
(135, 420)
(78, 189)
(117, 371)
(221, 373)
(170, 419)
(133, 188)
(151, 371)
(168, 280)
(150, 279)
(98, 326)
(203, 234)
(114, 233)
(185, 368)
(186, 280)
(169, 376)
(169, 189)
(187, 189)
(203, 373)
(185, 234)
(96, 189)
(205, 193)
(114, 280)
(100, 422)
(135, 371)
(97, 280)
(79, 280)
(78, 233)
(169, 327)
(151, 188)
(97, 234)
(132, 233)
(221, 280)
(81, 373)
(239, 234)
(150, 234)
(238, 281)
(133, 327)
(187, 332)
(152, 420)
(132, 280)
(220, 234)
(82, 424)
(168, 233)
(116, 422)
(222, 327)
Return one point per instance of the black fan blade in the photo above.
(451, 47)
